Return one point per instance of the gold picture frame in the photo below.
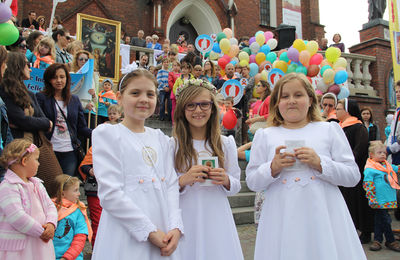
(101, 37)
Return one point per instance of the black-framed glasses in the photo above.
(67, 37)
(83, 59)
(329, 105)
(203, 106)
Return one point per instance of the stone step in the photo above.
(242, 199)
(243, 215)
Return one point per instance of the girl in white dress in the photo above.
(137, 184)
(299, 161)
(210, 231)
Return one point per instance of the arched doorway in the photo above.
(192, 17)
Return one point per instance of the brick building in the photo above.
(168, 18)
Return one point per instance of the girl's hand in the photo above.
(219, 177)
(91, 172)
(51, 126)
(89, 106)
(309, 156)
(92, 92)
(48, 232)
(195, 174)
(157, 237)
(281, 160)
(172, 239)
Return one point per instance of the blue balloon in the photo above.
(265, 49)
(341, 77)
(216, 47)
(257, 33)
(344, 93)
(253, 69)
(234, 62)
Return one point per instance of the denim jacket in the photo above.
(5, 134)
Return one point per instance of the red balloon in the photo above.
(229, 120)
(312, 70)
(222, 62)
(227, 57)
(335, 89)
(316, 59)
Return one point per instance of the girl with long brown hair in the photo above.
(206, 213)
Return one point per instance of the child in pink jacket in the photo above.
(28, 217)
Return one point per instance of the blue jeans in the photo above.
(68, 162)
(165, 96)
(382, 226)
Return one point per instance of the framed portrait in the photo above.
(101, 37)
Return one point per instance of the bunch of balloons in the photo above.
(8, 32)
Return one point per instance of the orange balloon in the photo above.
(233, 51)
(325, 62)
(304, 58)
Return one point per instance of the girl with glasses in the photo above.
(210, 231)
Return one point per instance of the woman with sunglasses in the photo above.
(18, 46)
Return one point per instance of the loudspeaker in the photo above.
(286, 36)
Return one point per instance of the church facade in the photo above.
(169, 18)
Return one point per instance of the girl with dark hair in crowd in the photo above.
(209, 71)
(348, 113)
(33, 40)
(42, 23)
(373, 130)
(18, 46)
(65, 110)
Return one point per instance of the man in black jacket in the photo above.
(30, 22)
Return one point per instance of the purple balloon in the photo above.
(5, 13)
(252, 58)
(252, 39)
(293, 54)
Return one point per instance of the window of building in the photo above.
(264, 12)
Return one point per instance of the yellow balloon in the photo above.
(225, 45)
(280, 64)
(222, 72)
(312, 47)
(213, 55)
(299, 45)
(244, 56)
(332, 54)
(340, 63)
(325, 62)
(255, 94)
(260, 57)
(260, 39)
(329, 76)
(264, 75)
(244, 63)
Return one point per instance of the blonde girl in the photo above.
(299, 161)
(28, 217)
(137, 185)
(210, 231)
(73, 224)
(44, 53)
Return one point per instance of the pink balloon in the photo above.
(252, 39)
(227, 57)
(252, 58)
(318, 92)
(316, 59)
(268, 35)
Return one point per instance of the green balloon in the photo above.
(271, 57)
(247, 49)
(301, 69)
(292, 68)
(8, 34)
(220, 36)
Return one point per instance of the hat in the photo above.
(331, 96)
(108, 80)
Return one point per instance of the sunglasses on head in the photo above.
(67, 37)
(83, 59)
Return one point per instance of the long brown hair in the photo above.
(13, 83)
(3, 59)
(275, 118)
(124, 81)
(75, 66)
(50, 74)
(267, 91)
(185, 153)
(47, 41)
(212, 68)
(64, 182)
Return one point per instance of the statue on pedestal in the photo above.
(376, 8)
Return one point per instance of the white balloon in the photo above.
(233, 41)
(321, 85)
(254, 47)
(272, 43)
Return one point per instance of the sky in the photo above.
(345, 17)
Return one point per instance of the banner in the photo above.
(394, 13)
(291, 15)
(81, 81)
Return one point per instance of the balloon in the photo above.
(254, 47)
(274, 64)
(281, 65)
(332, 54)
(324, 68)
(293, 54)
(235, 59)
(260, 57)
(272, 43)
(252, 39)
(8, 34)
(301, 69)
(233, 41)
(265, 65)
(344, 93)
(222, 63)
(247, 49)
(304, 58)
(233, 62)
(216, 48)
(5, 13)
(271, 57)
(234, 50)
(321, 85)
(335, 89)
(255, 94)
(253, 69)
(257, 78)
(292, 68)
(325, 62)
(340, 63)
(340, 76)
(316, 59)
(260, 39)
(229, 120)
(268, 35)
(225, 45)
(264, 75)
(243, 56)
(220, 36)
(328, 76)
(228, 32)
(207, 55)
(318, 92)
(252, 58)
(299, 45)
(265, 49)
(312, 47)
(227, 57)
(259, 32)
(244, 63)
(312, 70)
(213, 55)
(284, 57)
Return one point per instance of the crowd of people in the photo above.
(306, 154)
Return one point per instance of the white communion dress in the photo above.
(137, 197)
(210, 230)
(304, 215)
